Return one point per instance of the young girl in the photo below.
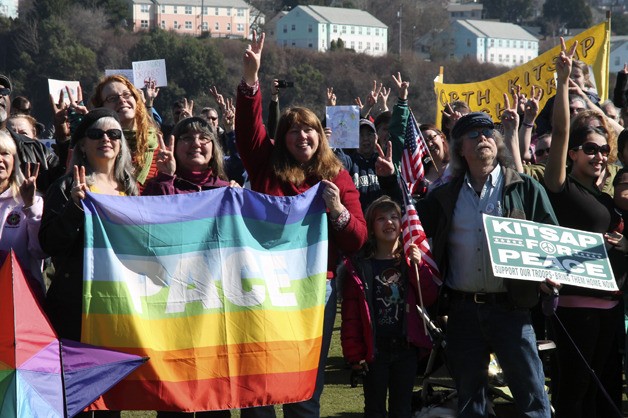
(381, 331)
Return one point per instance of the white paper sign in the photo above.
(128, 73)
(344, 122)
(57, 87)
(155, 69)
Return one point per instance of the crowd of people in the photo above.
(560, 165)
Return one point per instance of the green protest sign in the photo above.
(527, 250)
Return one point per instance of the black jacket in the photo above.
(33, 151)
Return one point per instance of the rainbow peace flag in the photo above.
(224, 290)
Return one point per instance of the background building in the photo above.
(315, 27)
(219, 18)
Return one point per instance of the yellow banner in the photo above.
(487, 95)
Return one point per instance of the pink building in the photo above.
(219, 18)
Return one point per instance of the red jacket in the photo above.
(357, 329)
(256, 148)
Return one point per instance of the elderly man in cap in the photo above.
(485, 313)
(29, 150)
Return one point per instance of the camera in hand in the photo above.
(282, 84)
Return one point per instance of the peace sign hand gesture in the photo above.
(80, 185)
(28, 186)
(165, 157)
(564, 60)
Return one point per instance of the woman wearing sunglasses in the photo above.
(589, 316)
(101, 164)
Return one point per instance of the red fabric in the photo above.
(255, 149)
(356, 330)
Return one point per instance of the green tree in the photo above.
(571, 13)
(513, 11)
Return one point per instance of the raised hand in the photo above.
(28, 186)
(76, 105)
(532, 107)
(229, 115)
(564, 60)
(165, 157)
(383, 97)
(449, 113)
(150, 85)
(188, 109)
(79, 185)
(219, 98)
(510, 116)
(402, 86)
(371, 99)
(358, 103)
(331, 97)
(384, 166)
(60, 117)
(274, 88)
(252, 59)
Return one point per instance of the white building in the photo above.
(315, 27)
(493, 42)
(9, 8)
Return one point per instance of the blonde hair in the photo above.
(16, 177)
(324, 163)
(142, 122)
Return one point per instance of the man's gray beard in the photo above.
(3, 115)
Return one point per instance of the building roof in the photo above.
(206, 3)
(618, 42)
(467, 7)
(497, 30)
(340, 16)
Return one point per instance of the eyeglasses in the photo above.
(95, 133)
(212, 117)
(486, 132)
(126, 95)
(431, 138)
(4, 91)
(188, 139)
(540, 152)
(591, 148)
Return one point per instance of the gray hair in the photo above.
(123, 167)
(16, 177)
(460, 166)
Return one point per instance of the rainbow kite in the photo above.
(224, 291)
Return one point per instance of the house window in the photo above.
(217, 11)
(360, 45)
(499, 42)
(175, 24)
(368, 46)
(468, 42)
(285, 28)
(228, 11)
(360, 30)
(174, 10)
(352, 44)
(492, 58)
(188, 24)
(499, 57)
(335, 29)
(368, 31)
(163, 9)
(377, 46)
(163, 24)
(144, 24)
(293, 28)
(352, 30)
(217, 26)
(228, 27)
(205, 27)
(324, 44)
(241, 12)
(309, 28)
(507, 44)
(344, 29)
(309, 45)
(205, 11)
(294, 43)
(490, 42)
(188, 10)
(240, 27)
(145, 8)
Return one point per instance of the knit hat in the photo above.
(471, 120)
(89, 119)
(366, 122)
(4, 81)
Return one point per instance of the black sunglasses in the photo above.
(487, 132)
(591, 148)
(95, 133)
(4, 91)
(540, 152)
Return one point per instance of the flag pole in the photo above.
(423, 139)
(418, 283)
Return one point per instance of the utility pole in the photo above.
(399, 17)
(202, 14)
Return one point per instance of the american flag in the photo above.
(414, 150)
(412, 232)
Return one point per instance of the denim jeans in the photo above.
(393, 371)
(311, 407)
(473, 331)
